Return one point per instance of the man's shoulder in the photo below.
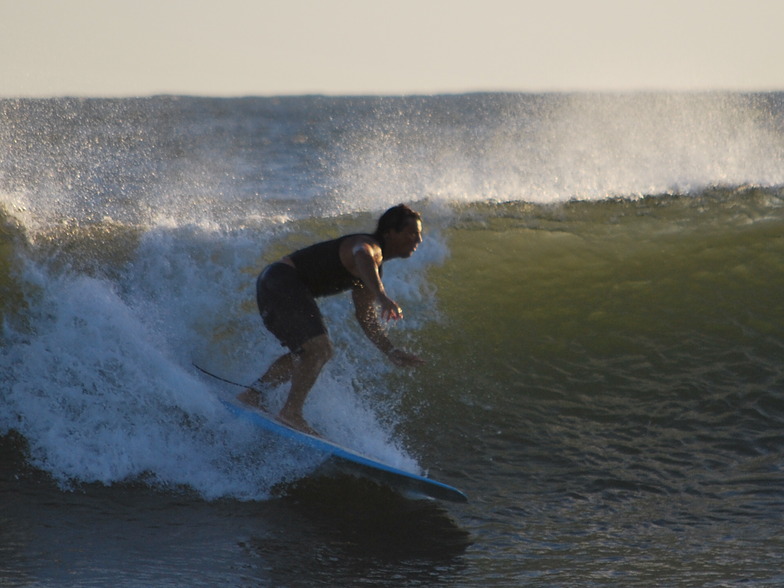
(360, 237)
(360, 240)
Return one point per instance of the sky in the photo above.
(285, 47)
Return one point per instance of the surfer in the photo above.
(286, 291)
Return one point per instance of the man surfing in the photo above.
(286, 291)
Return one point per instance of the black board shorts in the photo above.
(287, 307)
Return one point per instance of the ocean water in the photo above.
(598, 298)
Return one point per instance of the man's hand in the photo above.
(389, 308)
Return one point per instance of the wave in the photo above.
(12, 242)
(630, 342)
(175, 160)
(556, 148)
(590, 262)
(97, 377)
(598, 275)
(100, 379)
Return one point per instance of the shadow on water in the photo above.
(331, 531)
(345, 530)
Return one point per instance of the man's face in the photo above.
(404, 243)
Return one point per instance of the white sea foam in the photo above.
(101, 384)
(566, 147)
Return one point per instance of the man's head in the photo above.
(399, 231)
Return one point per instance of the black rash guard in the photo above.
(320, 269)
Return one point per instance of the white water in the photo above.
(101, 383)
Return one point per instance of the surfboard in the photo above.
(406, 483)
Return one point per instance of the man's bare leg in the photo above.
(307, 366)
(280, 371)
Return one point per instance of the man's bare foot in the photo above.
(252, 398)
(298, 423)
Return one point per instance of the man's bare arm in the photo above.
(366, 315)
(366, 260)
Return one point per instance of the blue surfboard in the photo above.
(405, 482)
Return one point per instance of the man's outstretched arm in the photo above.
(364, 306)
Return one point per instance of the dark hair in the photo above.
(394, 218)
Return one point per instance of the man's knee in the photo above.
(317, 351)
